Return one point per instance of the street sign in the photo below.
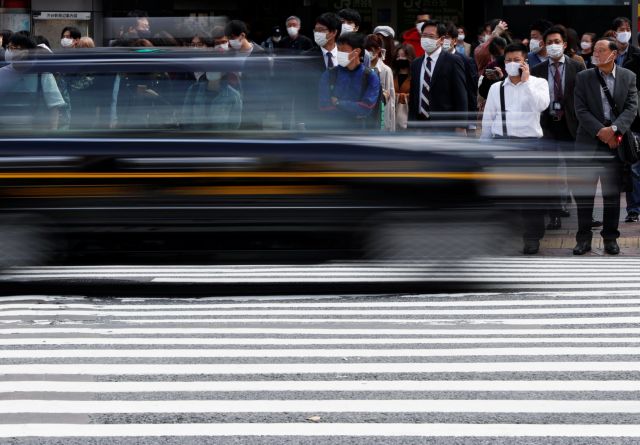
(61, 15)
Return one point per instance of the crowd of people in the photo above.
(550, 84)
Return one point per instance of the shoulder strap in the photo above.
(607, 93)
(503, 110)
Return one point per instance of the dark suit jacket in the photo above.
(448, 95)
(471, 80)
(590, 110)
(632, 62)
(572, 68)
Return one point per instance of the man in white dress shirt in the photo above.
(525, 98)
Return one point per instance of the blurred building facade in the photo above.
(97, 17)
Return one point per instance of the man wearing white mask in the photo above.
(438, 88)
(538, 52)
(350, 19)
(629, 58)
(513, 111)
(412, 35)
(559, 122)
(350, 92)
(238, 35)
(69, 37)
(294, 40)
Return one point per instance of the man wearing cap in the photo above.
(274, 40)
(294, 40)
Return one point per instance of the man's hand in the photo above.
(334, 101)
(500, 28)
(613, 143)
(525, 72)
(606, 134)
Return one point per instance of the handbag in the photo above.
(629, 148)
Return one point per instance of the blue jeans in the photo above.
(633, 197)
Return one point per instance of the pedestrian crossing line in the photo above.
(299, 353)
(316, 368)
(330, 305)
(38, 386)
(319, 430)
(317, 312)
(434, 321)
(259, 341)
(45, 330)
(33, 406)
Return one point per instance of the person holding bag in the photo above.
(606, 103)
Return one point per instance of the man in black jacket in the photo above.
(438, 89)
(629, 58)
(559, 122)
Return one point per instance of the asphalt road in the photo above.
(497, 367)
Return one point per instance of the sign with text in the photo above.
(60, 15)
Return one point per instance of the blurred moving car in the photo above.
(158, 164)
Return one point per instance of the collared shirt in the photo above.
(523, 103)
(551, 79)
(334, 56)
(610, 80)
(434, 59)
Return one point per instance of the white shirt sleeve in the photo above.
(50, 91)
(491, 111)
(539, 89)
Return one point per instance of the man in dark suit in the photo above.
(599, 131)
(439, 90)
(559, 122)
(629, 58)
(470, 72)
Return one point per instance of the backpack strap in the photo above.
(503, 110)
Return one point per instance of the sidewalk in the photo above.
(561, 242)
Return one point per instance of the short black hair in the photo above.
(22, 40)
(540, 26)
(350, 15)
(556, 29)
(613, 45)
(452, 30)
(330, 20)
(496, 45)
(517, 48)
(354, 39)
(441, 30)
(73, 31)
(619, 21)
(235, 28)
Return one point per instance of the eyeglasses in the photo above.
(197, 45)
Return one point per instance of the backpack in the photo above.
(375, 119)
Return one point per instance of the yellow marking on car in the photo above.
(254, 190)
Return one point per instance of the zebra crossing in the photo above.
(505, 273)
(494, 367)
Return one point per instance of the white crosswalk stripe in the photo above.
(550, 366)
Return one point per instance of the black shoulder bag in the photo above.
(629, 148)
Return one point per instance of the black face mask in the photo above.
(401, 64)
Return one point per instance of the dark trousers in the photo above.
(609, 171)
(558, 135)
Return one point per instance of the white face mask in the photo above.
(461, 37)
(66, 42)
(585, 46)
(214, 76)
(343, 59)
(223, 47)
(320, 38)
(623, 37)
(15, 55)
(486, 37)
(446, 45)
(347, 28)
(368, 54)
(276, 39)
(235, 43)
(596, 61)
(293, 31)
(429, 45)
(419, 27)
(513, 69)
(555, 51)
(534, 46)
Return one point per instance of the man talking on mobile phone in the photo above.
(513, 111)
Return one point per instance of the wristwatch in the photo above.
(615, 129)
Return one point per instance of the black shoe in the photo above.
(611, 247)
(595, 224)
(531, 247)
(555, 223)
(582, 247)
(631, 217)
(564, 213)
